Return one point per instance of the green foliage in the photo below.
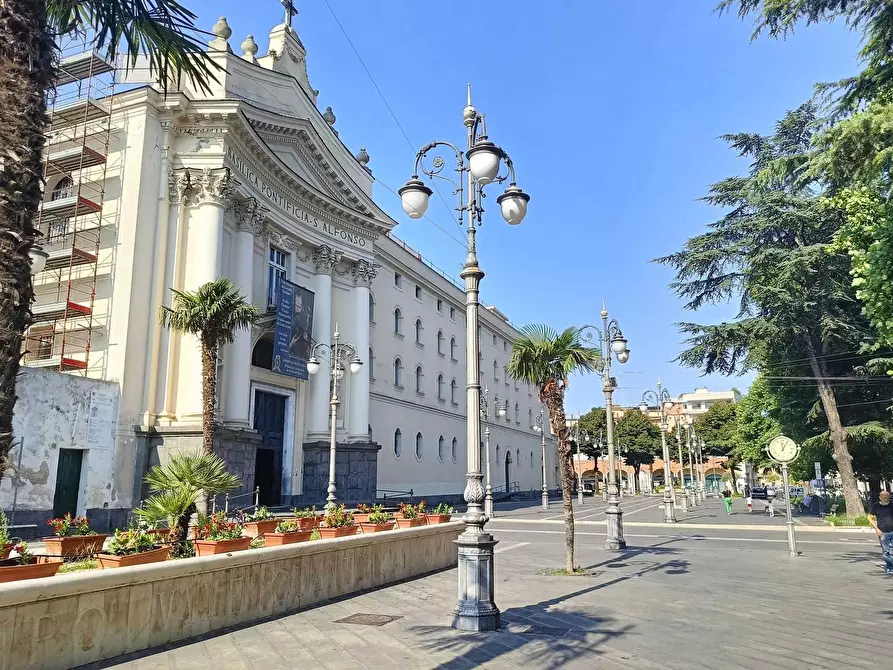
(717, 428)
(260, 514)
(635, 432)
(339, 517)
(408, 511)
(68, 525)
(218, 527)
(131, 541)
(288, 526)
(542, 356)
(162, 30)
(871, 445)
(443, 508)
(257, 542)
(838, 520)
(756, 423)
(306, 513)
(4, 529)
(380, 516)
(213, 313)
(77, 566)
(594, 424)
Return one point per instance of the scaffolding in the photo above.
(71, 220)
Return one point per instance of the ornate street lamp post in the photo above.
(693, 490)
(577, 435)
(683, 496)
(702, 480)
(475, 609)
(338, 354)
(664, 401)
(611, 343)
(485, 416)
(539, 425)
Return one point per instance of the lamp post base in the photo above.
(683, 501)
(669, 513)
(476, 609)
(488, 502)
(614, 518)
(692, 501)
(580, 497)
(545, 499)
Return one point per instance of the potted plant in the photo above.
(260, 522)
(25, 565)
(441, 514)
(219, 535)
(409, 516)
(379, 520)
(307, 517)
(73, 537)
(362, 514)
(6, 544)
(337, 522)
(160, 533)
(135, 546)
(287, 531)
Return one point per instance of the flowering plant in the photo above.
(260, 514)
(408, 511)
(306, 513)
(423, 508)
(378, 515)
(288, 526)
(338, 517)
(4, 530)
(219, 527)
(132, 541)
(443, 508)
(23, 557)
(68, 525)
(366, 509)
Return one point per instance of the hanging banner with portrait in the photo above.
(294, 325)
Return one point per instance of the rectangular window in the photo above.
(45, 347)
(277, 272)
(398, 280)
(494, 340)
(440, 305)
(418, 292)
(453, 313)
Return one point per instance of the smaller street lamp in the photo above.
(485, 416)
(664, 402)
(539, 426)
(338, 354)
(579, 434)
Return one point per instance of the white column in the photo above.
(204, 249)
(358, 422)
(325, 260)
(236, 389)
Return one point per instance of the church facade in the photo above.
(250, 181)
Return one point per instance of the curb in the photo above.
(706, 526)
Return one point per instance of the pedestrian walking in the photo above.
(770, 508)
(727, 496)
(881, 519)
(749, 502)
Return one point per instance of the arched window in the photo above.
(440, 445)
(371, 364)
(398, 443)
(517, 413)
(418, 331)
(398, 372)
(497, 454)
(453, 449)
(453, 388)
(419, 379)
(64, 189)
(440, 342)
(495, 371)
(398, 321)
(440, 387)
(371, 309)
(453, 348)
(418, 446)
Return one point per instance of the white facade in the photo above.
(250, 181)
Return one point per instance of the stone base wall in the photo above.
(356, 472)
(85, 617)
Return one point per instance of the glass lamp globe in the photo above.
(355, 366)
(623, 356)
(618, 344)
(313, 365)
(513, 204)
(668, 404)
(483, 161)
(38, 259)
(500, 412)
(537, 428)
(414, 196)
(643, 408)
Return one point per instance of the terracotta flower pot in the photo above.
(74, 545)
(343, 531)
(410, 523)
(44, 567)
(214, 547)
(255, 528)
(376, 527)
(309, 522)
(5, 549)
(437, 518)
(278, 539)
(107, 561)
(361, 517)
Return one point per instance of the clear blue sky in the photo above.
(610, 112)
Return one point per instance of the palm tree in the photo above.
(163, 30)
(175, 490)
(212, 314)
(546, 358)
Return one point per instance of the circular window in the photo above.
(398, 443)
(418, 446)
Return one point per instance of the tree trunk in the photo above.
(209, 394)
(838, 434)
(731, 465)
(553, 396)
(180, 532)
(27, 53)
(637, 485)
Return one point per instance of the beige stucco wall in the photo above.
(69, 620)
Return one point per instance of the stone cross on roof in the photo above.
(290, 11)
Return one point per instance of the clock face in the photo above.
(783, 449)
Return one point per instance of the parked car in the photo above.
(758, 492)
(797, 491)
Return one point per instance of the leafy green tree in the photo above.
(594, 424)
(546, 359)
(175, 490)
(771, 251)
(716, 427)
(756, 423)
(212, 314)
(640, 440)
(30, 31)
(874, 18)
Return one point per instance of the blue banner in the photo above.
(294, 324)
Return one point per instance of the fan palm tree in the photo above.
(212, 314)
(162, 30)
(176, 487)
(546, 358)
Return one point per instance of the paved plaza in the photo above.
(711, 592)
